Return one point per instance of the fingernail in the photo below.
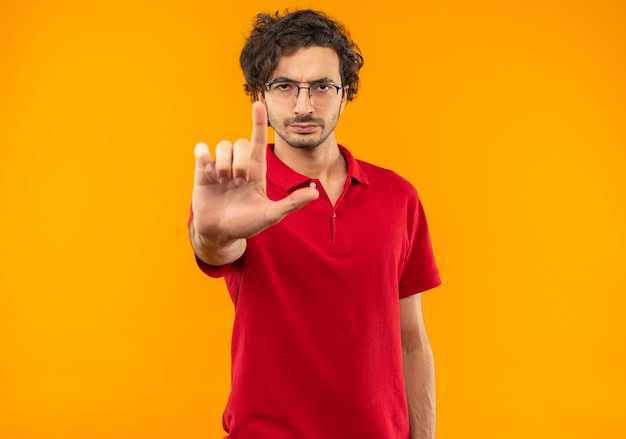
(240, 181)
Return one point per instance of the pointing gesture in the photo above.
(230, 201)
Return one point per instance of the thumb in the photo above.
(294, 201)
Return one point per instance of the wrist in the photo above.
(216, 252)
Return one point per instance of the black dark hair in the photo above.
(275, 35)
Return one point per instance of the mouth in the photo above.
(303, 128)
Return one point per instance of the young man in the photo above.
(323, 255)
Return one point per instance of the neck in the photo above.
(324, 162)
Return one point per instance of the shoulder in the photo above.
(380, 177)
(380, 181)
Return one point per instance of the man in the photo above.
(323, 255)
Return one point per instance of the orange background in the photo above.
(508, 116)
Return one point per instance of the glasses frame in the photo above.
(268, 86)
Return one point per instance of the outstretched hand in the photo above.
(230, 201)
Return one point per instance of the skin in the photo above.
(310, 149)
(230, 202)
(419, 369)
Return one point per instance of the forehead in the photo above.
(309, 64)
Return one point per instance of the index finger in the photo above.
(259, 131)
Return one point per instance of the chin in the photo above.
(304, 145)
(303, 142)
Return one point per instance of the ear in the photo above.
(344, 99)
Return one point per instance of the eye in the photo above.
(323, 88)
(283, 87)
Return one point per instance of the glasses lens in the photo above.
(283, 93)
(323, 95)
(286, 93)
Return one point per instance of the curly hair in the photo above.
(274, 35)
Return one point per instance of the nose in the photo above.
(303, 101)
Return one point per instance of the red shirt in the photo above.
(316, 349)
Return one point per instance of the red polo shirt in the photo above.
(316, 349)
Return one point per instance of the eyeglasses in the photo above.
(286, 93)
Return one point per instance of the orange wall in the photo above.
(507, 116)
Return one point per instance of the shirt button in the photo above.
(313, 185)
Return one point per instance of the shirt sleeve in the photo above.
(420, 271)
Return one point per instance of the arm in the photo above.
(419, 369)
(216, 255)
(230, 202)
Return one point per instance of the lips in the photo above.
(303, 128)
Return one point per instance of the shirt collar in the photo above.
(287, 179)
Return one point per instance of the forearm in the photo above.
(419, 376)
(216, 255)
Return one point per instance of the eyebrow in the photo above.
(324, 80)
